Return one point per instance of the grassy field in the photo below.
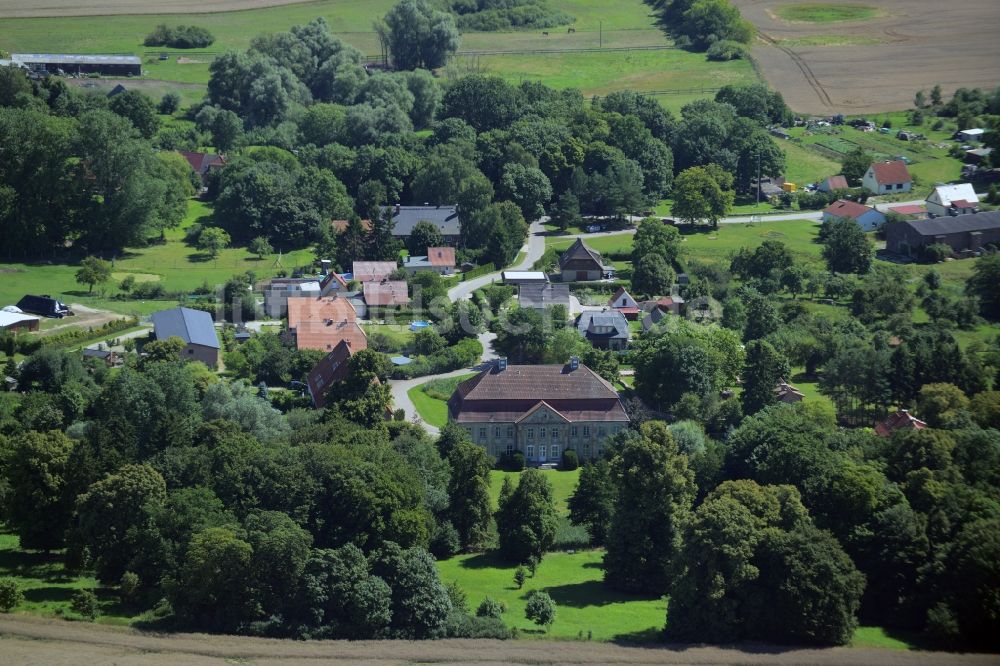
(563, 485)
(598, 24)
(431, 398)
(48, 586)
(175, 264)
(827, 12)
(584, 606)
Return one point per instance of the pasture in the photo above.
(827, 12)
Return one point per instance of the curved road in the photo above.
(534, 249)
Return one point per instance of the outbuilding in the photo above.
(76, 63)
(961, 233)
(17, 322)
(195, 328)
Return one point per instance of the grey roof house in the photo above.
(445, 218)
(606, 329)
(543, 296)
(961, 233)
(195, 328)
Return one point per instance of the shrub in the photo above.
(445, 541)
(10, 595)
(728, 50)
(169, 103)
(489, 607)
(540, 609)
(511, 462)
(127, 283)
(570, 460)
(461, 625)
(935, 252)
(520, 575)
(128, 587)
(85, 603)
(179, 37)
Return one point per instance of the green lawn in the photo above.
(806, 166)
(431, 398)
(583, 603)
(563, 485)
(178, 266)
(48, 586)
(828, 12)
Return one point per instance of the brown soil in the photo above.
(22, 9)
(920, 44)
(34, 640)
(83, 317)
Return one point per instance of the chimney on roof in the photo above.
(502, 363)
(574, 362)
(326, 264)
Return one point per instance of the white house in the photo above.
(867, 218)
(887, 178)
(970, 135)
(952, 200)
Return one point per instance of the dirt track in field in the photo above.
(915, 45)
(34, 640)
(38, 8)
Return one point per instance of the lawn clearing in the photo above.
(584, 606)
(828, 12)
(563, 485)
(48, 586)
(431, 398)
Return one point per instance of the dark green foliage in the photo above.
(526, 519)
(654, 493)
(756, 569)
(420, 602)
(855, 164)
(468, 491)
(593, 503)
(570, 460)
(417, 35)
(764, 369)
(179, 37)
(540, 608)
(983, 284)
(138, 109)
(846, 249)
(11, 595)
(85, 603)
(39, 505)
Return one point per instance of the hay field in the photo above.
(27, 640)
(875, 65)
(32, 8)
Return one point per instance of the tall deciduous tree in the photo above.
(417, 35)
(425, 234)
(93, 270)
(526, 519)
(468, 492)
(846, 248)
(39, 506)
(855, 165)
(765, 367)
(655, 490)
(703, 194)
(592, 504)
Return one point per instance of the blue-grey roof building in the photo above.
(80, 63)
(445, 218)
(195, 328)
(606, 329)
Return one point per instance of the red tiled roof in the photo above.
(202, 162)
(331, 368)
(891, 172)
(909, 209)
(323, 309)
(325, 336)
(894, 422)
(339, 226)
(373, 271)
(441, 256)
(845, 208)
(836, 183)
(390, 292)
(330, 277)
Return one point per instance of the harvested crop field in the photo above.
(22, 9)
(875, 65)
(25, 640)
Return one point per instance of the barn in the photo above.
(77, 63)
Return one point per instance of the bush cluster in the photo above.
(179, 37)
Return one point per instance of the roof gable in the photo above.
(579, 251)
(441, 256)
(894, 172)
(542, 412)
(948, 194)
(194, 327)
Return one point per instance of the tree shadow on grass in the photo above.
(593, 565)
(199, 257)
(642, 636)
(589, 593)
(49, 594)
(487, 561)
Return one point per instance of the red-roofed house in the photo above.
(331, 369)
(323, 323)
(624, 303)
(390, 293)
(832, 184)
(332, 283)
(911, 211)
(441, 260)
(867, 218)
(373, 271)
(340, 226)
(887, 178)
(898, 421)
(202, 163)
